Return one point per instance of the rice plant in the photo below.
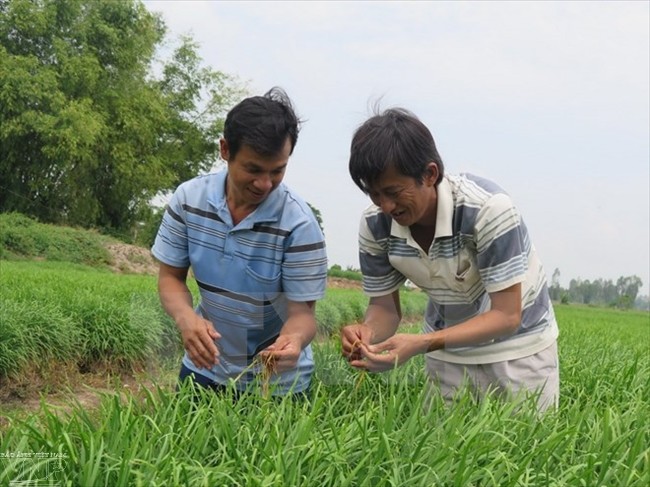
(380, 431)
(383, 432)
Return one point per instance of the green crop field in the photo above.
(355, 430)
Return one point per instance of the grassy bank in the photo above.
(23, 238)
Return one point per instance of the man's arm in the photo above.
(501, 320)
(383, 316)
(198, 334)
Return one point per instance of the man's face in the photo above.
(252, 177)
(404, 199)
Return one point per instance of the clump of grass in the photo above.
(328, 317)
(23, 237)
(35, 333)
(56, 312)
(345, 306)
(382, 433)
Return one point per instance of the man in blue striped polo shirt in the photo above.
(490, 320)
(256, 252)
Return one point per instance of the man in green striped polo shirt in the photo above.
(489, 322)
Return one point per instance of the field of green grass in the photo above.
(371, 431)
(355, 430)
(57, 313)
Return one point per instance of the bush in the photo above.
(23, 237)
(336, 271)
(80, 315)
(328, 317)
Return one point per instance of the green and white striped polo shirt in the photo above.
(481, 245)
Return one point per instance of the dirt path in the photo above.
(132, 259)
(85, 391)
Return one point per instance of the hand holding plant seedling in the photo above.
(390, 353)
(281, 356)
(284, 353)
(352, 337)
(199, 340)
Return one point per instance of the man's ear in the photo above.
(224, 149)
(432, 173)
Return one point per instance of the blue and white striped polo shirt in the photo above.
(245, 273)
(481, 245)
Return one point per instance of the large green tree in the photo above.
(88, 133)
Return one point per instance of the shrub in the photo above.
(336, 271)
(24, 237)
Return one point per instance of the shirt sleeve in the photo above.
(502, 244)
(170, 246)
(379, 276)
(304, 266)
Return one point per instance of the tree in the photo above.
(555, 289)
(628, 288)
(575, 295)
(318, 216)
(610, 294)
(555, 281)
(87, 135)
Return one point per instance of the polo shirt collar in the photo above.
(444, 214)
(265, 212)
(445, 211)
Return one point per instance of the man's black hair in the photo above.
(394, 138)
(263, 123)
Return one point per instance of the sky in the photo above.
(551, 100)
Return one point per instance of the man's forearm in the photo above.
(383, 316)
(175, 298)
(383, 327)
(301, 322)
(478, 330)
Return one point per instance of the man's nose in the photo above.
(264, 182)
(386, 204)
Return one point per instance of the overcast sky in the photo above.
(548, 99)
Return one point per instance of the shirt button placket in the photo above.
(228, 245)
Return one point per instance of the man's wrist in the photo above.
(184, 317)
(432, 342)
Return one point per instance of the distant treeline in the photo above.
(624, 293)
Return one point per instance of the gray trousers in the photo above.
(511, 379)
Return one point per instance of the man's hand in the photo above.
(198, 334)
(390, 353)
(284, 353)
(198, 339)
(380, 322)
(298, 331)
(352, 338)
